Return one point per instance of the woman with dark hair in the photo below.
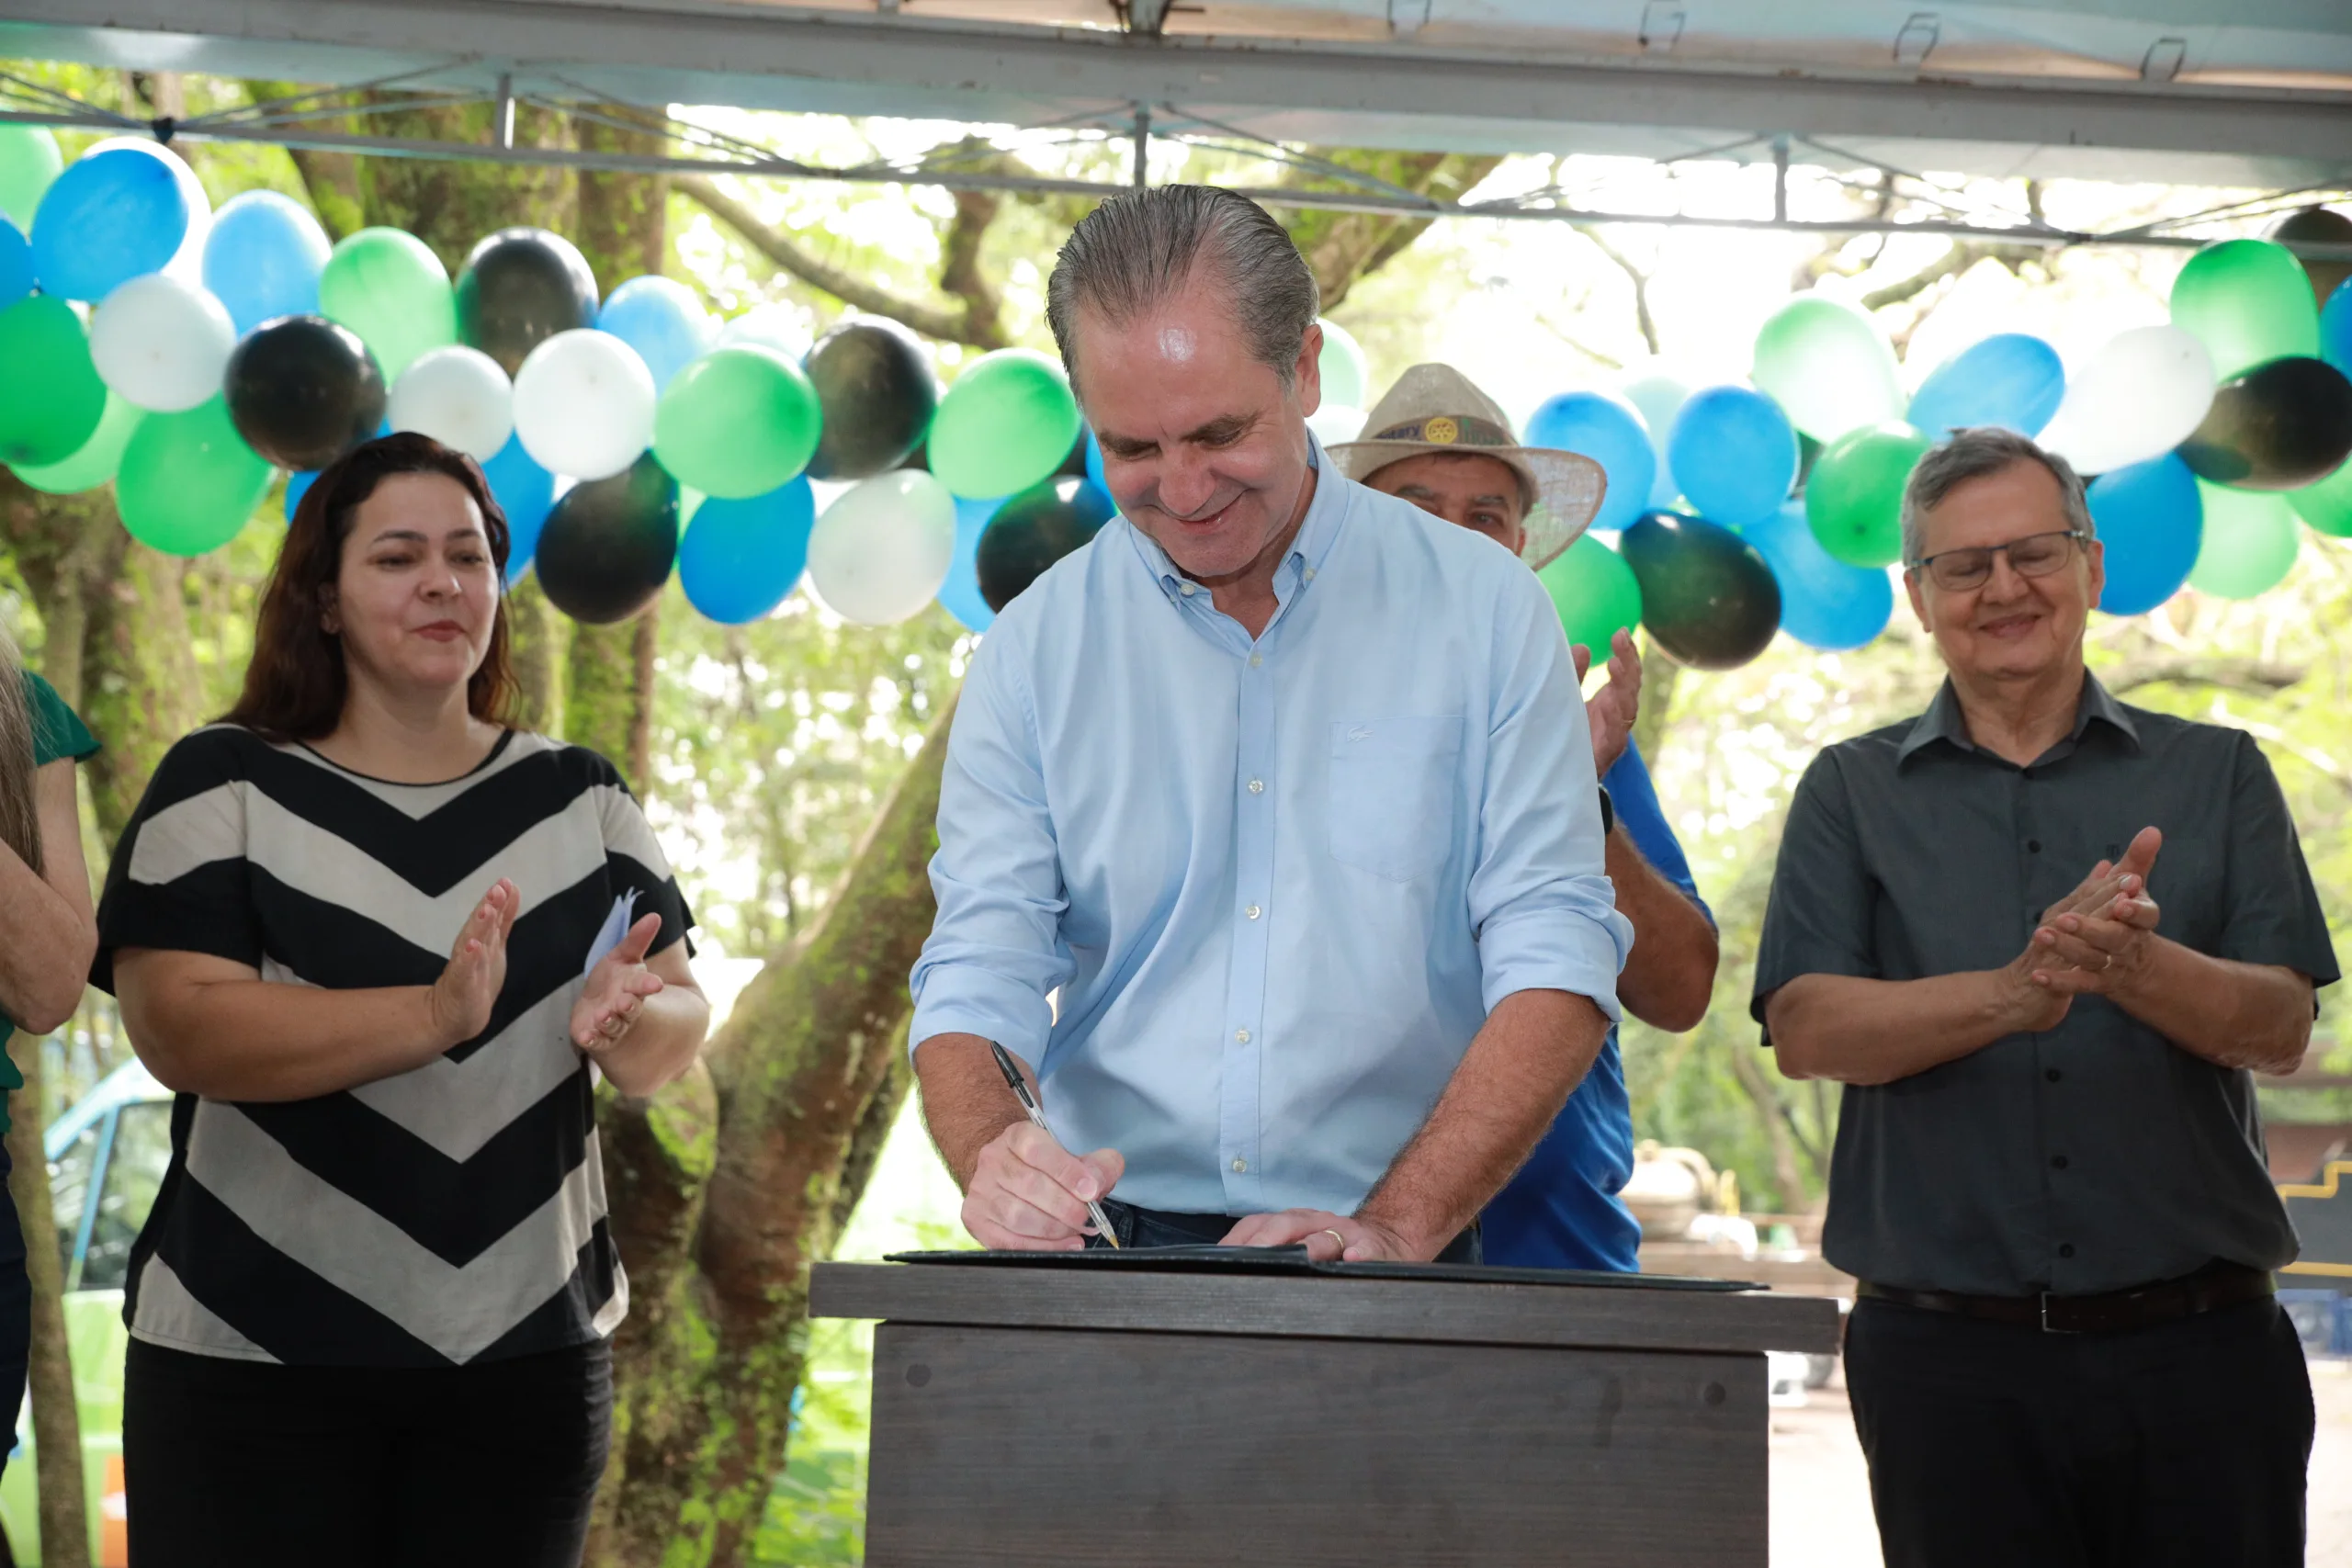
(46, 935)
(381, 943)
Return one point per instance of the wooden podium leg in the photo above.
(1119, 1449)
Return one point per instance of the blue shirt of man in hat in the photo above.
(1437, 441)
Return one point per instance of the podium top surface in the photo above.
(1618, 1316)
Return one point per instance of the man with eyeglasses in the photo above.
(2042, 937)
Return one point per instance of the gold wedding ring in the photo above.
(1335, 1236)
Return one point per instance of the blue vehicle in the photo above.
(106, 1157)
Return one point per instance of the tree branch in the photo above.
(969, 326)
(2253, 677)
(1640, 281)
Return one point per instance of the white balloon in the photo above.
(457, 396)
(584, 405)
(778, 327)
(881, 552)
(1336, 422)
(2139, 398)
(187, 262)
(161, 343)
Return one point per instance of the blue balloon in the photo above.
(740, 558)
(960, 594)
(297, 485)
(2335, 328)
(662, 319)
(2010, 379)
(15, 264)
(1613, 435)
(1734, 454)
(1825, 603)
(2151, 521)
(1093, 466)
(262, 259)
(526, 492)
(110, 218)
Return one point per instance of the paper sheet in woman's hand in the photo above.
(617, 926)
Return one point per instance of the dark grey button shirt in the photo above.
(2093, 1156)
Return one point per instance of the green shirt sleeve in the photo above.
(57, 732)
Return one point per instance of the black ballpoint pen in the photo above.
(1019, 1086)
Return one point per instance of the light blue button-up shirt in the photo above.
(1279, 883)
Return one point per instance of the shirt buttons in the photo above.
(1308, 574)
(2033, 846)
(1240, 1167)
(1257, 786)
(1256, 659)
(2053, 1075)
(2058, 1162)
(2065, 1249)
(1242, 1035)
(1251, 911)
(1189, 589)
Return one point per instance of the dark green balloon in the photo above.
(2279, 426)
(1708, 598)
(608, 546)
(1034, 530)
(519, 288)
(2325, 226)
(876, 388)
(304, 391)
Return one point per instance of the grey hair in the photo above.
(1971, 454)
(19, 810)
(1135, 251)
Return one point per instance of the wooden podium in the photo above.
(1129, 1418)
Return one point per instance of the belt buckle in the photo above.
(2044, 1300)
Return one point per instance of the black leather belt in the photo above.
(2212, 1287)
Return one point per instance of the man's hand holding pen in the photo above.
(1028, 1193)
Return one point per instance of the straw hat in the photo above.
(1434, 408)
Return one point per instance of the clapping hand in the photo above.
(459, 1002)
(1612, 708)
(2097, 939)
(615, 995)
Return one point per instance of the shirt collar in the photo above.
(1944, 721)
(1317, 533)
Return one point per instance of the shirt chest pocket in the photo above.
(1392, 786)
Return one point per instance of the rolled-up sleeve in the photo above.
(996, 951)
(1539, 900)
(1817, 919)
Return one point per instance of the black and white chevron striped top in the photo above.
(449, 1214)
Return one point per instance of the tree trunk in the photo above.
(539, 642)
(809, 1071)
(140, 686)
(48, 1369)
(609, 693)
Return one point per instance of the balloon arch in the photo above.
(632, 434)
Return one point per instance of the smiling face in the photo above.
(416, 598)
(1467, 489)
(1203, 447)
(2011, 627)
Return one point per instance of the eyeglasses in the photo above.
(2036, 555)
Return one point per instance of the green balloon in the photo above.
(98, 458)
(1828, 366)
(1595, 592)
(1853, 499)
(1006, 423)
(2327, 506)
(389, 287)
(737, 423)
(2251, 537)
(189, 481)
(28, 161)
(2248, 302)
(50, 397)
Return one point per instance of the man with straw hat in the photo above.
(1437, 441)
(1261, 785)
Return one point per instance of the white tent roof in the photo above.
(2253, 92)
